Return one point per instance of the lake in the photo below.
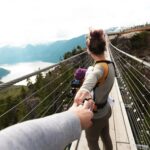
(21, 69)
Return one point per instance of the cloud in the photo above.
(38, 21)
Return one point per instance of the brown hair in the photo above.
(96, 42)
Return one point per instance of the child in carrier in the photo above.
(77, 81)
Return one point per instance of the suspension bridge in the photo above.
(130, 120)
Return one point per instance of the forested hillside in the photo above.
(137, 44)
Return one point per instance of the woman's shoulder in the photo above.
(99, 66)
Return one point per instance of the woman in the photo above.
(101, 80)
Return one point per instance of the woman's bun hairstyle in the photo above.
(96, 34)
(96, 42)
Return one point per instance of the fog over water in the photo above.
(21, 69)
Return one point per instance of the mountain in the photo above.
(115, 29)
(50, 52)
(3, 72)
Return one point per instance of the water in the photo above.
(21, 69)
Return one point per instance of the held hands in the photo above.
(81, 96)
(84, 113)
(83, 108)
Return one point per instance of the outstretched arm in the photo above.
(89, 83)
(52, 132)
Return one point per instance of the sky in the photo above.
(25, 22)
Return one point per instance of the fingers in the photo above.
(91, 103)
(86, 105)
(91, 114)
(78, 100)
(84, 113)
(80, 96)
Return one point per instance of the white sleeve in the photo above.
(49, 133)
(91, 79)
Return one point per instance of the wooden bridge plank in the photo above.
(83, 142)
(120, 129)
(112, 130)
(127, 124)
(82, 145)
(123, 146)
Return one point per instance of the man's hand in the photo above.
(84, 113)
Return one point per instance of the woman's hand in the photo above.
(81, 96)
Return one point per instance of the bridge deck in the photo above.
(120, 130)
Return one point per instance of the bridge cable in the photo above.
(122, 67)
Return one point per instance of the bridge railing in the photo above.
(133, 75)
(47, 95)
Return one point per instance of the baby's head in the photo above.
(80, 73)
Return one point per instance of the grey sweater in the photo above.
(49, 133)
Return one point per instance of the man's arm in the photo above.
(49, 133)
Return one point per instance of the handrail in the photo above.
(133, 57)
(7, 84)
